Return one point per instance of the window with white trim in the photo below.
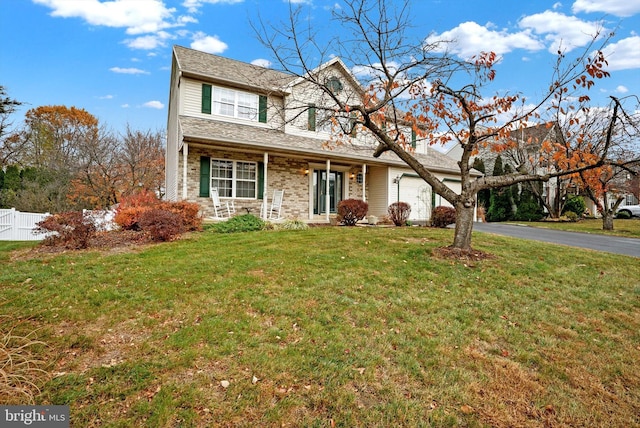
(234, 103)
(234, 179)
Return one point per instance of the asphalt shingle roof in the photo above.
(272, 140)
(230, 71)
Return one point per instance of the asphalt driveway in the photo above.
(610, 244)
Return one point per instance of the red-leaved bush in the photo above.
(71, 230)
(443, 216)
(350, 211)
(160, 224)
(132, 208)
(399, 213)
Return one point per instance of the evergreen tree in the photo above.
(500, 199)
(483, 195)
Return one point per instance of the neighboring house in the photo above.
(248, 131)
(523, 152)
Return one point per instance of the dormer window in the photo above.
(334, 84)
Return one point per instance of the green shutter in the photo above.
(311, 120)
(260, 180)
(205, 176)
(206, 98)
(414, 138)
(262, 109)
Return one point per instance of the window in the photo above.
(234, 103)
(334, 84)
(234, 179)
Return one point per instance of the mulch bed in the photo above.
(451, 253)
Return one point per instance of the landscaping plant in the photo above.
(443, 216)
(399, 213)
(351, 211)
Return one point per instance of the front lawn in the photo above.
(335, 326)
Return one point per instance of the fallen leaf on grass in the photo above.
(467, 410)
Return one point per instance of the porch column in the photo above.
(265, 160)
(185, 156)
(364, 182)
(327, 196)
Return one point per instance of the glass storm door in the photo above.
(320, 189)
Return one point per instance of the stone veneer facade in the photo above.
(282, 173)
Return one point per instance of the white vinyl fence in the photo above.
(19, 226)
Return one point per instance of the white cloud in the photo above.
(193, 5)
(209, 44)
(621, 8)
(125, 106)
(145, 42)
(624, 54)
(138, 17)
(621, 89)
(561, 31)
(154, 104)
(106, 97)
(261, 62)
(128, 70)
(469, 39)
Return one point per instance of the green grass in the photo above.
(356, 327)
(628, 228)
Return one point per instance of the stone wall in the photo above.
(282, 173)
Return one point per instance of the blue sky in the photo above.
(113, 58)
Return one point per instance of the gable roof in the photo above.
(214, 68)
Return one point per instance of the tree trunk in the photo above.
(607, 220)
(464, 226)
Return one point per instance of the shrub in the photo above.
(443, 216)
(574, 204)
(350, 211)
(160, 224)
(399, 213)
(241, 223)
(132, 207)
(571, 216)
(71, 230)
(189, 213)
(623, 215)
(295, 224)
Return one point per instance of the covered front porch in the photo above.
(312, 187)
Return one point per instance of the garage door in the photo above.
(417, 193)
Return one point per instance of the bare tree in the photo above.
(9, 141)
(417, 83)
(142, 158)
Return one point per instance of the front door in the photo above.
(320, 191)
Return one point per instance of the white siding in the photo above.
(174, 139)
(192, 106)
(378, 185)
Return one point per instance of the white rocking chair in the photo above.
(221, 210)
(276, 205)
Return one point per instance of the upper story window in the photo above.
(234, 103)
(334, 84)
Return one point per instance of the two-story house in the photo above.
(248, 130)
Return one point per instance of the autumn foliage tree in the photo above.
(80, 163)
(607, 185)
(440, 98)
